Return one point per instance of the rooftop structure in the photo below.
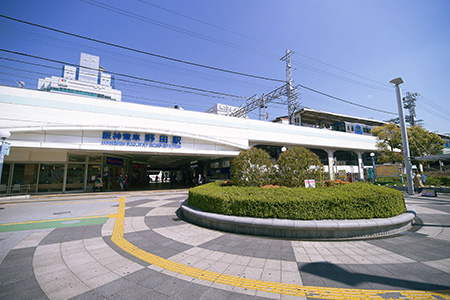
(87, 80)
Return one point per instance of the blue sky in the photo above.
(347, 49)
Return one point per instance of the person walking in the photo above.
(418, 184)
(199, 179)
(121, 181)
(98, 184)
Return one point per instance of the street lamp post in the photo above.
(3, 136)
(397, 82)
(373, 167)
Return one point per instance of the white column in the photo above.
(360, 165)
(330, 163)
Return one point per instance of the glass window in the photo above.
(77, 158)
(95, 159)
(51, 177)
(75, 177)
(5, 174)
(25, 173)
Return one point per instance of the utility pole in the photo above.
(409, 102)
(291, 95)
(397, 82)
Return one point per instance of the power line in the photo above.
(141, 51)
(185, 87)
(202, 74)
(274, 45)
(127, 76)
(346, 101)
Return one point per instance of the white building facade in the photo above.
(88, 80)
(61, 142)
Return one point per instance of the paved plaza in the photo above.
(136, 245)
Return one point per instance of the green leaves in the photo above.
(389, 142)
(253, 167)
(350, 201)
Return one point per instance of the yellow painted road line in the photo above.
(53, 202)
(254, 284)
(52, 220)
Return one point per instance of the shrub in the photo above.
(431, 180)
(298, 164)
(350, 201)
(251, 167)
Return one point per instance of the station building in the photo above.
(60, 141)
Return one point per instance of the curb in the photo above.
(314, 229)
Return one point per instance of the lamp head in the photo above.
(372, 154)
(4, 134)
(397, 81)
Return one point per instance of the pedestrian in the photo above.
(98, 184)
(126, 183)
(418, 184)
(121, 181)
(199, 179)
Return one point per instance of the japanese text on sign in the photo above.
(146, 140)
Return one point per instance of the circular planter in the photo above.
(314, 229)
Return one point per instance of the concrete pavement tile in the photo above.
(215, 255)
(256, 262)
(47, 249)
(74, 260)
(114, 287)
(266, 295)
(242, 260)
(65, 289)
(23, 293)
(94, 243)
(252, 273)
(443, 265)
(101, 279)
(271, 275)
(219, 267)
(12, 274)
(171, 286)
(140, 275)
(89, 270)
(90, 295)
(242, 291)
(228, 258)
(191, 291)
(289, 297)
(40, 271)
(291, 277)
(289, 266)
(108, 227)
(138, 224)
(128, 269)
(214, 293)
(54, 275)
(47, 259)
(235, 270)
(131, 292)
(32, 240)
(271, 264)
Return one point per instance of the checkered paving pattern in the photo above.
(83, 263)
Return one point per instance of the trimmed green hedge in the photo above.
(431, 180)
(350, 201)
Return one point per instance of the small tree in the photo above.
(298, 164)
(389, 142)
(251, 167)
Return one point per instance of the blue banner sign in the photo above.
(146, 140)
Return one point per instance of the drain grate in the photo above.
(61, 212)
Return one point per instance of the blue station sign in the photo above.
(146, 140)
